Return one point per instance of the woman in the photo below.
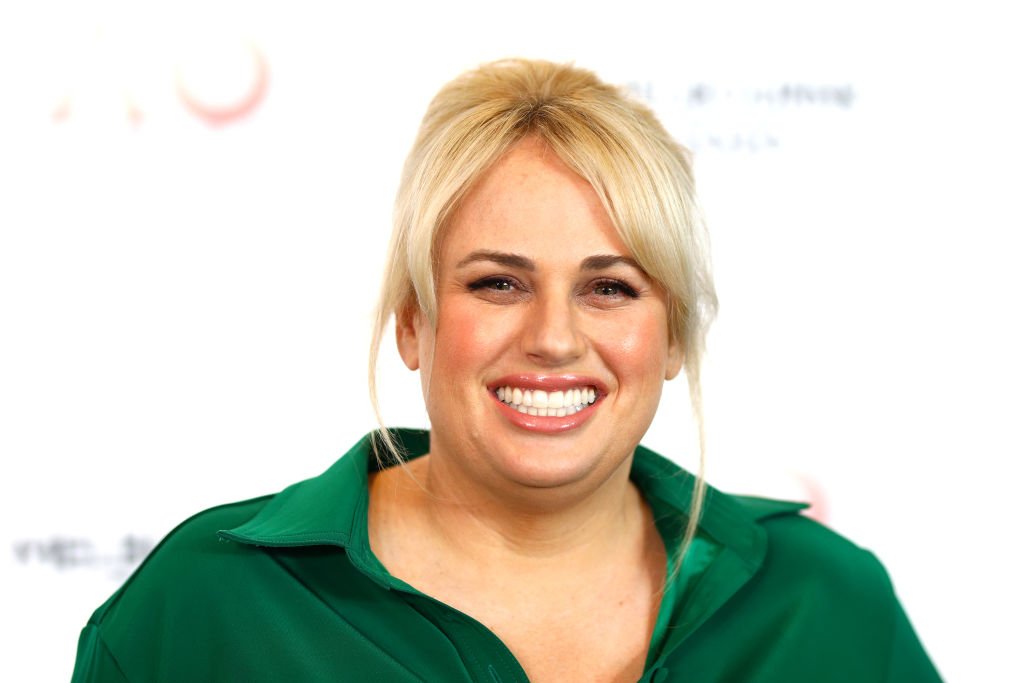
(548, 274)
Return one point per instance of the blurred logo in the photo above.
(136, 66)
(70, 552)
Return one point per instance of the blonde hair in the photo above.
(641, 175)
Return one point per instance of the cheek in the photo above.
(637, 352)
(465, 331)
(466, 339)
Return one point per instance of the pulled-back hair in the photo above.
(642, 177)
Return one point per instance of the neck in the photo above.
(528, 527)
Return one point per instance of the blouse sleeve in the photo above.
(94, 663)
(908, 661)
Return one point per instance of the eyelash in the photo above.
(513, 285)
(487, 282)
(622, 286)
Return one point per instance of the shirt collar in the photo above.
(331, 509)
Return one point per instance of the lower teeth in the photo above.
(547, 412)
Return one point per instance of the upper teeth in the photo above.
(547, 403)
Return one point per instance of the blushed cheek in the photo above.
(632, 344)
(638, 352)
(466, 333)
(467, 341)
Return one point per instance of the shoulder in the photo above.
(173, 601)
(204, 608)
(808, 605)
(805, 556)
(188, 558)
(194, 539)
(830, 593)
(826, 604)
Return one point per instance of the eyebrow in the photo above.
(499, 257)
(596, 262)
(602, 261)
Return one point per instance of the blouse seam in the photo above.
(110, 652)
(310, 535)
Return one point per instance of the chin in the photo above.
(547, 466)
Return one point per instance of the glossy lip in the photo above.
(548, 425)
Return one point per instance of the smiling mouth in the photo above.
(547, 403)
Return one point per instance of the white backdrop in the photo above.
(195, 199)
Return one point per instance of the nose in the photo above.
(553, 336)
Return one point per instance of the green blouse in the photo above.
(286, 588)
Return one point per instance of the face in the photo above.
(551, 345)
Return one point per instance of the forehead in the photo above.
(531, 203)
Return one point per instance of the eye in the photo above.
(496, 284)
(613, 289)
(498, 289)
